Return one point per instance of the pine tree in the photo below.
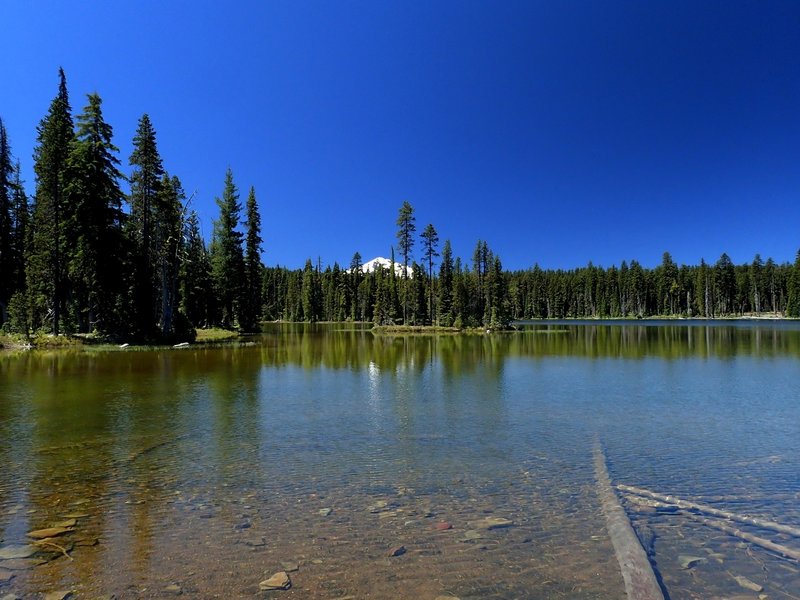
(460, 298)
(756, 283)
(382, 310)
(725, 285)
(667, 283)
(167, 238)
(770, 281)
(355, 276)
(195, 274)
(405, 243)
(444, 302)
(251, 297)
(19, 234)
(793, 289)
(8, 281)
(45, 266)
(227, 261)
(94, 230)
(311, 293)
(498, 295)
(145, 180)
(430, 242)
(394, 298)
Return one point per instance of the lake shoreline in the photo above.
(14, 342)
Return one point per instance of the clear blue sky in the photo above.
(560, 132)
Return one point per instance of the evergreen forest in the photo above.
(80, 255)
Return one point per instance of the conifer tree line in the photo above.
(443, 290)
(82, 256)
(73, 259)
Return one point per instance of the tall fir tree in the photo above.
(756, 281)
(94, 229)
(430, 244)
(725, 285)
(405, 243)
(445, 299)
(8, 281)
(195, 275)
(227, 263)
(145, 181)
(167, 248)
(251, 294)
(47, 284)
(793, 289)
(19, 234)
(311, 293)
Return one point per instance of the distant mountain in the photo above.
(370, 266)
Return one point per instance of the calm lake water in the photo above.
(206, 470)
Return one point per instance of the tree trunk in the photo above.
(637, 573)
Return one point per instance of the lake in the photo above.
(322, 450)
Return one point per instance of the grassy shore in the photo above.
(215, 334)
(46, 341)
(13, 341)
(392, 329)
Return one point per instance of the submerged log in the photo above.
(709, 510)
(637, 573)
(748, 537)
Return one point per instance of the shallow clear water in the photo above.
(208, 468)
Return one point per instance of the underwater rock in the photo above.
(493, 523)
(377, 506)
(279, 581)
(6, 576)
(472, 535)
(397, 551)
(747, 584)
(66, 523)
(76, 515)
(22, 564)
(174, 589)
(325, 511)
(49, 532)
(442, 526)
(290, 567)
(58, 595)
(687, 561)
(17, 551)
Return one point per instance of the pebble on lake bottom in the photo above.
(493, 523)
(58, 595)
(687, 561)
(747, 584)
